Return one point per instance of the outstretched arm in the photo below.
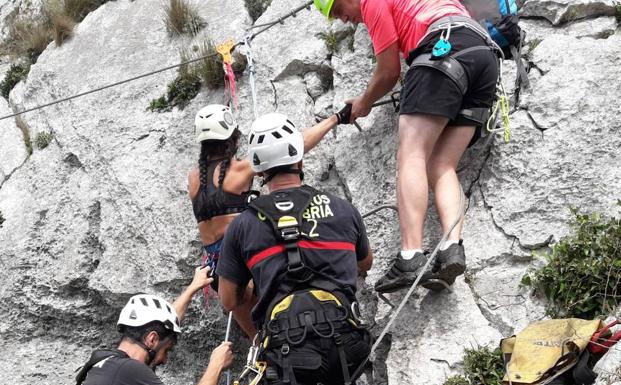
(313, 135)
(200, 280)
(384, 79)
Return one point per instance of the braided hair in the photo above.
(216, 150)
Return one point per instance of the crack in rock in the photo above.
(498, 227)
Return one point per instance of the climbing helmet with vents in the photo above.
(214, 122)
(274, 141)
(142, 309)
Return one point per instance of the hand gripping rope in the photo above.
(409, 293)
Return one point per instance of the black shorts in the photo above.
(429, 91)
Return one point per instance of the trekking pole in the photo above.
(226, 339)
(405, 299)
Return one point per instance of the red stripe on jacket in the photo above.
(316, 245)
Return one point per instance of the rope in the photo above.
(111, 85)
(405, 299)
(226, 339)
(375, 211)
(253, 88)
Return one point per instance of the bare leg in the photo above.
(442, 176)
(417, 137)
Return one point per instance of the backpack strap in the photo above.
(97, 357)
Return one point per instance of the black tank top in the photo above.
(212, 201)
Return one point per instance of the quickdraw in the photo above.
(224, 50)
(252, 366)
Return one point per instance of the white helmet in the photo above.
(142, 309)
(214, 122)
(274, 141)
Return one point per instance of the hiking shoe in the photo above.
(401, 274)
(449, 264)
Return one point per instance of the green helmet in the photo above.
(324, 6)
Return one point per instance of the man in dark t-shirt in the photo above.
(149, 326)
(332, 243)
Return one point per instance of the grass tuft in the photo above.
(210, 68)
(583, 276)
(43, 139)
(333, 39)
(482, 366)
(14, 75)
(181, 17)
(62, 28)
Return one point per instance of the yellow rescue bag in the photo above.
(546, 349)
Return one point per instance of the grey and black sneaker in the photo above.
(401, 274)
(449, 264)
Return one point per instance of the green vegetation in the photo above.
(181, 17)
(256, 7)
(333, 39)
(62, 28)
(209, 69)
(482, 366)
(43, 139)
(1, 219)
(618, 12)
(14, 75)
(583, 275)
(28, 38)
(179, 93)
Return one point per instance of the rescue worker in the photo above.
(447, 91)
(302, 248)
(150, 327)
(219, 186)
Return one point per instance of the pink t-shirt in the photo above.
(405, 21)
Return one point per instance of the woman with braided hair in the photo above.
(219, 186)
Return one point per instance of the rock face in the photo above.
(103, 213)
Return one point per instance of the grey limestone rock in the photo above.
(103, 211)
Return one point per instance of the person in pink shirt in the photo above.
(436, 122)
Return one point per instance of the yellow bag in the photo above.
(546, 349)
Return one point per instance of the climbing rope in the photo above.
(409, 293)
(265, 27)
(250, 67)
(226, 339)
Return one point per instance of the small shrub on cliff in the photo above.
(14, 75)
(583, 275)
(43, 139)
(181, 17)
(28, 39)
(333, 39)
(62, 28)
(179, 93)
(1, 219)
(210, 67)
(256, 7)
(482, 366)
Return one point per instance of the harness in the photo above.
(212, 201)
(307, 303)
(441, 60)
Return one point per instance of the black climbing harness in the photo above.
(307, 303)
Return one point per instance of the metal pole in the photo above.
(226, 339)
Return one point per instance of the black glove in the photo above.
(344, 115)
